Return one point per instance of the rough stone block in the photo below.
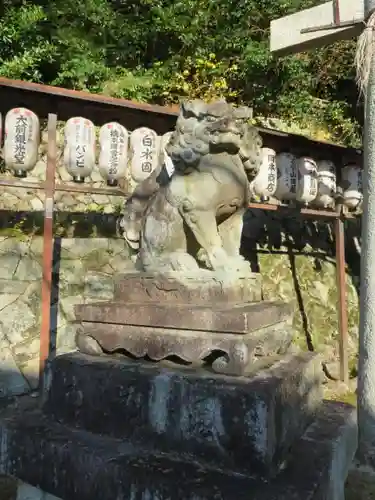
(77, 465)
(174, 288)
(225, 318)
(241, 423)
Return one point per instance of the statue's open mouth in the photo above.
(132, 237)
(134, 244)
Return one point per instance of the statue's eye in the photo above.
(210, 118)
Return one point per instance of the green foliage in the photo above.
(164, 50)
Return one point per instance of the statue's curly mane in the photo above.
(216, 127)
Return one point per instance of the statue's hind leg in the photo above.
(202, 224)
(230, 231)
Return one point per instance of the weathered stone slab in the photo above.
(224, 318)
(244, 424)
(76, 465)
(229, 353)
(174, 288)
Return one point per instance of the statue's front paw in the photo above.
(238, 264)
(217, 259)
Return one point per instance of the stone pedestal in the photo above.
(215, 406)
(116, 428)
(210, 318)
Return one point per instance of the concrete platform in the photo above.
(243, 424)
(76, 465)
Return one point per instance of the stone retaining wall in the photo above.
(83, 272)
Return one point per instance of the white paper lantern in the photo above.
(144, 144)
(286, 177)
(113, 157)
(307, 180)
(326, 184)
(22, 138)
(265, 183)
(352, 186)
(79, 150)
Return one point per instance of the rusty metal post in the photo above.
(47, 248)
(341, 291)
(336, 11)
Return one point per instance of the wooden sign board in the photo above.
(286, 36)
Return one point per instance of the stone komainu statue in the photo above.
(192, 218)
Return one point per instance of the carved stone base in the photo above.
(228, 353)
(208, 318)
(231, 336)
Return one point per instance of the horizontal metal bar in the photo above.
(65, 188)
(303, 211)
(308, 212)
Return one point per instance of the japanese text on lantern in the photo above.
(80, 155)
(272, 174)
(20, 139)
(79, 150)
(117, 145)
(113, 157)
(145, 149)
(293, 177)
(146, 154)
